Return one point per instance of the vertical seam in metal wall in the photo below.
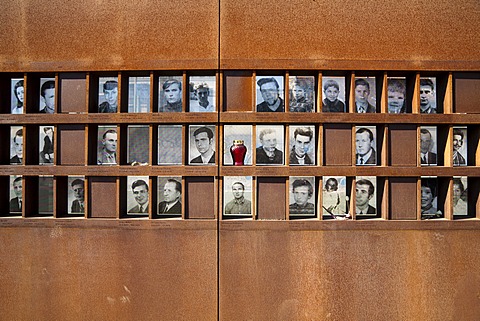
(219, 211)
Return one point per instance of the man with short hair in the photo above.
(110, 90)
(458, 159)
(272, 102)
(302, 137)
(204, 142)
(203, 105)
(366, 154)
(302, 192)
(172, 91)
(427, 157)
(268, 153)
(18, 147)
(362, 92)
(16, 202)
(47, 92)
(299, 101)
(78, 205)
(108, 154)
(172, 193)
(239, 205)
(331, 103)
(140, 193)
(427, 97)
(364, 190)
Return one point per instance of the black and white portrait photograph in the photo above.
(45, 195)
(202, 94)
(428, 199)
(18, 95)
(170, 91)
(170, 196)
(138, 144)
(16, 195)
(396, 95)
(47, 96)
(365, 95)
(302, 196)
(16, 145)
(270, 142)
(137, 195)
(107, 145)
(237, 195)
(366, 195)
(459, 146)
(460, 193)
(428, 96)
(237, 144)
(107, 94)
(170, 145)
(302, 145)
(46, 143)
(333, 95)
(270, 94)
(139, 94)
(201, 145)
(428, 145)
(365, 146)
(334, 197)
(302, 94)
(76, 195)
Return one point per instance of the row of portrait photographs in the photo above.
(428, 146)
(429, 197)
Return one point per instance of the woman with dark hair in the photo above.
(19, 92)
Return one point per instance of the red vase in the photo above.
(238, 151)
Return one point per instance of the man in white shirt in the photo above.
(364, 146)
(204, 142)
(427, 157)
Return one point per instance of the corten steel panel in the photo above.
(329, 271)
(73, 94)
(71, 145)
(467, 95)
(103, 200)
(337, 145)
(271, 198)
(349, 34)
(238, 91)
(79, 271)
(108, 35)
(403, 198)
(402, 145)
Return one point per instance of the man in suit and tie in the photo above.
(427, 157)
(16, 202)
(78, 205)
(458, 159)
(364, 190)
(204, 142)
(172, 193)
(140, 192)
(18, 147)
(362, 92)
(366, 154)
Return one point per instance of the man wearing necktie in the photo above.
(172, 193)
(78, 191)
(362, 92)
(16, 202)
(366, 154)
(427, 157)
(140, 193)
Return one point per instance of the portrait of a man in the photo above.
(333, 95)
(364, 195)
(428, 99)
(459, 146)
(362, 95)
(107, 147)
(77, 186)
(269, 137)
(108, 102)
(46, 145)
(302, 94)
(202, 98)
(16, 147)
(428, 155)
(271, 92)
(170, 195)
(365, 146)
(16, 198)
(204, 142)
(170, 95)
(47, 96)
(302, 189)
(18, 96)
(303, 149)
(239, 205)
(140, 194)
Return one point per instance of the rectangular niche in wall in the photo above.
(73, 94)
(71, 144)
(337, 145)
(403, 145)
(199, 195)
(103, 197)
(271, 198)
(238, 91)
(403, 198)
